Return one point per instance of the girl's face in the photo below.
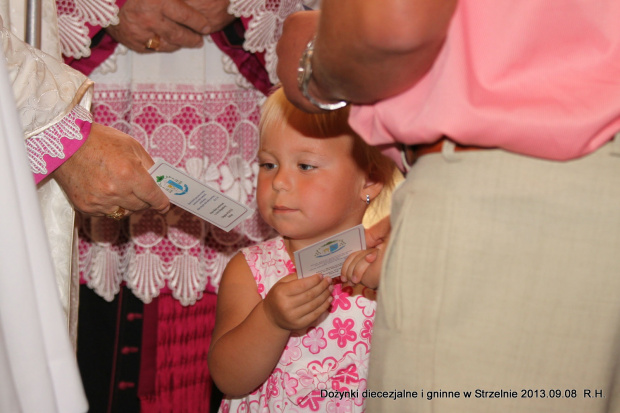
(308, 188)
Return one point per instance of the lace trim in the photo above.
(231, 68)
(49, 142)
(109, 65)
(73, 15)
(178, 251)
(265, 28)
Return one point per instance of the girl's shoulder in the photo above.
(271, 245)
(268, 262)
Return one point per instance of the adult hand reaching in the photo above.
(174, 22)
(110, 171)
(298, 29)
(215, 11)
(379, 232)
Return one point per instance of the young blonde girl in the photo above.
(286, 344)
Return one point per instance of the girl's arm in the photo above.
(250, 333)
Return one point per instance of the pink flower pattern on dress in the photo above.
(273, 389)
(291, 352)
(312, 402)
(290, 266)
(343, 331)
(314, 340)
(359, 357)
(367, 330)
(361, 386)
(366, 302)
(289, 384)
(341, 297)
(332, 355)
(338, 406)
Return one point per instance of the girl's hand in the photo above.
(293, 303)
(364, 267)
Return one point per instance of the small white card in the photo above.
(327, 256)
(198, 198)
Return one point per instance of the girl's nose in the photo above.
(281, 182)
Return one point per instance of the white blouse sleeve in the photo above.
(45, 89)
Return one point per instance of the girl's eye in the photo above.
(267, 165)
(306, 167)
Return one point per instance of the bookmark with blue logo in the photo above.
(198, 198)
(328, 255)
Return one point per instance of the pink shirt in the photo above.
(534, 77)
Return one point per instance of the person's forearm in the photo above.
(243, 358)
(369, 50)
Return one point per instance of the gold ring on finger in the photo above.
(118, 214)
(153, 43)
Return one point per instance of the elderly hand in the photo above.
(109, 171)
(176, 23)
(215, 11)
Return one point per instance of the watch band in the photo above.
(304, 74)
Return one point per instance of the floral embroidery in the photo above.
(290, 266)
(338, 406)
(289, 384)
(366, 301)
(361, 386)
(272, 388)
(73, 15)
(291, 352)
(236, 179)
(314, 340)
(367, 330)
(347, 375)
(341, 297)
(312, 401)
(199, 129)
(343, 331)
(359, 358)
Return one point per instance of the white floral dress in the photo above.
(330, 359)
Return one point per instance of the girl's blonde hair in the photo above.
(277, 111)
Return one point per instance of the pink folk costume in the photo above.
(332, 356)
(198, 109)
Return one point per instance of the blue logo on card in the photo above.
(172, 186)
(329, 248)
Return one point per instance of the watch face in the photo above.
(301, 72)
(304, 70)
(304, 73)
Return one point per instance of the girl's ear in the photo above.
(371, 190)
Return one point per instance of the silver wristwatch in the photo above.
(304, 74)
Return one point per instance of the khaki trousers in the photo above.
(502, 276)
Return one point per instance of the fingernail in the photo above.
(206, 29)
